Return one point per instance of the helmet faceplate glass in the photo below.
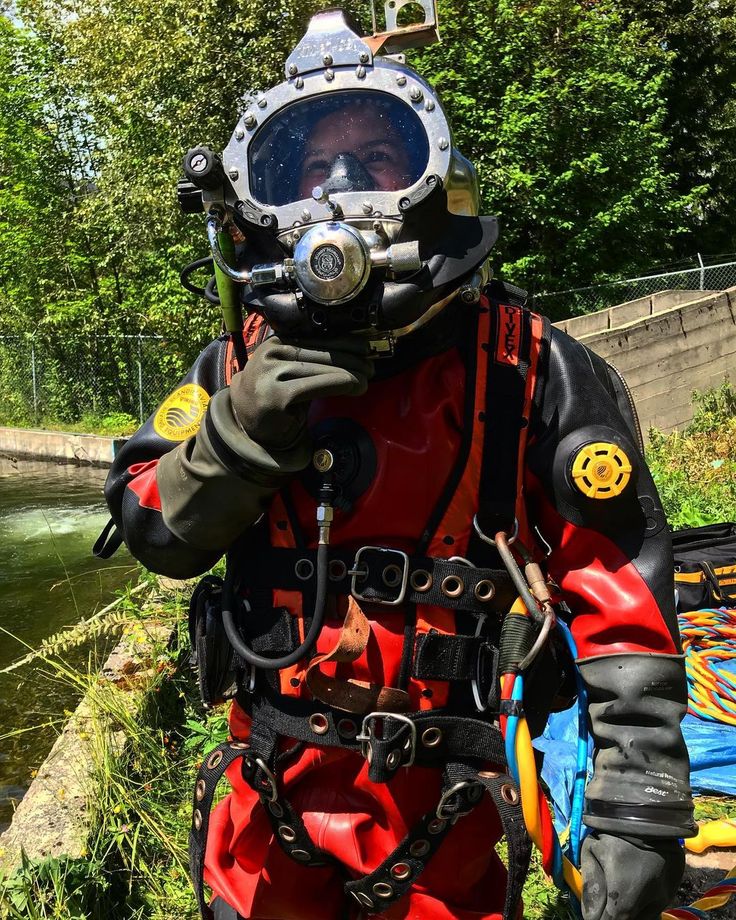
(352, 141)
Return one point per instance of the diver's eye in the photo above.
(316, 166)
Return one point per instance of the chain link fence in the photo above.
(573, 302)
(72, 379)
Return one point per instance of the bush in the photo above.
(695, 470)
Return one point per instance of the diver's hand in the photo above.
(271, 395)
(629, 878)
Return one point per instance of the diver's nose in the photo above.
(347, 174)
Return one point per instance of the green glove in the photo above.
(629, 878)
(271, 395)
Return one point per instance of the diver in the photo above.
(388, 419)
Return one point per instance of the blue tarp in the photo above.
(712, 747)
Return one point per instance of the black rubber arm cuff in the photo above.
(641, 779)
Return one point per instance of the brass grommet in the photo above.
(287, 834)
(301, 855)
(346, 728)
(421, 580)
(392, 575)
(337, 570)
(383, 890)
(197, 819)
(452, 586)
(436, 826)
(239, 745)
(362, 899)
(484, 590)
(510, 794)
(215, 760)
(431, 737)
(319, 724)
(401, 871)
(488, 774)
(200, 789)
(276, 810)
(419, 848)
(304, 569)
(393, 759)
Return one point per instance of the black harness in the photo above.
(461, 739)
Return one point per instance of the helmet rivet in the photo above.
(250, 120)
(299, 83)
(429, 105)
(306, 215)
(262, 103)
(233, 174)
(239, 134)
(293, 70)
(443, 143)
(401, 80)
(367, 207)
(327, 60)
(296, 236)
(360, 72)
(416, 94)
(329, 75)
(364, 57)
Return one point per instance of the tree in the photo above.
(559, 104)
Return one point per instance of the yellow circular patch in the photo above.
(601, 470)
(181, 414)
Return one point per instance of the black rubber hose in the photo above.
(276, 664)
(210, 291)
(189, 270)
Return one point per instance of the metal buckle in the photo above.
(356, 572)
(445, 800)
(367, 734)
(273, 792)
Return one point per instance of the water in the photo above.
(50, 516)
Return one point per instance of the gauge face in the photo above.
(351, 141)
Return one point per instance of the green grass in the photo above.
(695, 470)
(115, 424)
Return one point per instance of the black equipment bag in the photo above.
(705, 566)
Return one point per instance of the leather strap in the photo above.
(352, 695)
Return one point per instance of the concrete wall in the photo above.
(666, 346)
(59, 445)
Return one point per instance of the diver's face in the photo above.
(366, 136)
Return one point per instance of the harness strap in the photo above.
(210, 773)
(352, 695)
(453, 657)
(376, 575)
(391, 880)
(507, 800)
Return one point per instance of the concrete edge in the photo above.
(712, 296)
(61, 446)
(55, 817)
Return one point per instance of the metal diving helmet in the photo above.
(350, 208)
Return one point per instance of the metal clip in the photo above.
(444, 815)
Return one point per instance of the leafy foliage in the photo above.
(695, 471)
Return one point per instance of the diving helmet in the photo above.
(350, 208)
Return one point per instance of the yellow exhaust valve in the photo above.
(601, 470)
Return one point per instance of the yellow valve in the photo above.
(601, 470)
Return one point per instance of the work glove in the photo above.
(271, 395)
(629, 878)
(219, 482)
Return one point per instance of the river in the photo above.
(50, 516)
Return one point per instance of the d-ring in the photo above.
(490, 540)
